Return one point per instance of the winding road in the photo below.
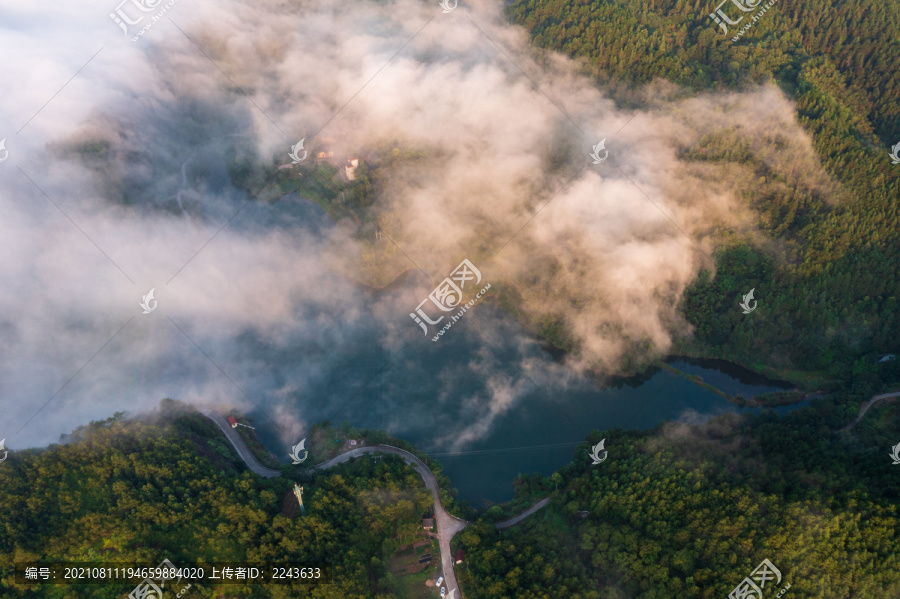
(238, 443)
(515, 520)
(865, 407)
(447, 525)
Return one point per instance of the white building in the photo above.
(350, 168)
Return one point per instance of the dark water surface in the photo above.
(486, 399)
(730, 378)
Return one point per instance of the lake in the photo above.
(265, 325)
(486, 399)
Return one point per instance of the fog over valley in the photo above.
(124, 181)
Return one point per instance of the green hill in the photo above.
(689, 511)
(831, 293)
(172, 488)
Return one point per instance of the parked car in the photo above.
(440, 580)
(443, 592)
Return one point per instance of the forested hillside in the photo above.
(829, 295)
(690, 511)
(144, 491)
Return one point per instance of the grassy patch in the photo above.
(698, 380)
(412, 586)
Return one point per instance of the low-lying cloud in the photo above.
(135, 153)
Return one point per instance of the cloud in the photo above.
(134, 152)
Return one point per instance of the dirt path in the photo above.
(865, 407)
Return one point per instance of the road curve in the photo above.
(447, 525)
(515, 520)
(238, 443)
(865, 407)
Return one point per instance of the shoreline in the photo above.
(605, 380)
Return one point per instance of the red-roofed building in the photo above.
(460, 556)
(232, 422)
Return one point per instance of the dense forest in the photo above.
(683, 511)
(689, 511)
(826, 270)
(171, 487)
(831, 292)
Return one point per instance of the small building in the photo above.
(886, 358)
(428, 523)
(325, 155)
(350, 168)
(352, 442)
(459, 556)
(232, 422)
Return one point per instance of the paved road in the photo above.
(447, 525)
(523, 515)
(865, 407)
(238, 443)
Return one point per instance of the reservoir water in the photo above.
(262, 321)
(512, 421)
(486, 399)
